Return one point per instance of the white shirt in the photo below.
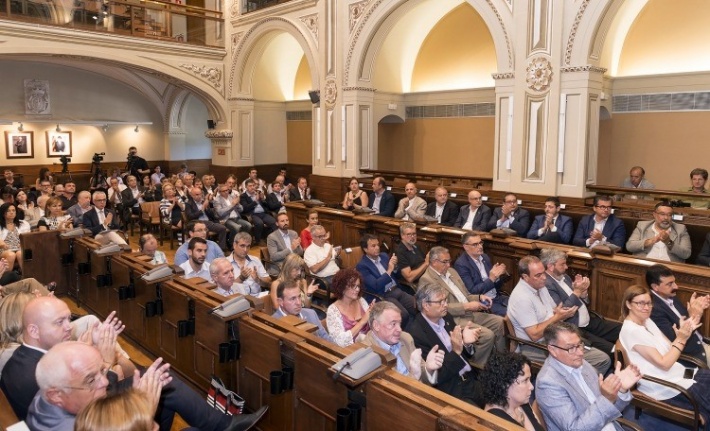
(582, 310)
(203, 272)
(598, 225)
(659, 250)
(315, 253)
(251, 286)
(469, 220)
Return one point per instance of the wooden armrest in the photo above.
(628, 425)
(693, 360)
(680, 389)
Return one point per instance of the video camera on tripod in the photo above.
(98, 179)
(64, 160)
(98, 158)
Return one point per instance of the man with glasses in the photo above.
(510, 216)
(226, 205)
(531, 309)
(250, 270)
(196, 228)
(103, 222)
(434, 329)
(660, 238)
(442, 208)
(45, 192)
(552, 226)
(474, 216)
(570, 392)
(463, 306)
(254, 204)
(320, 256)
(479, 275)
(411, 261)
(600, 228)
(667, 310)
(200, 208)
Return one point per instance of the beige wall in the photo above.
(300, 142)
(667, 145)
(454, 146)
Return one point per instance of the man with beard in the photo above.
(660, 238)
(196, 265)
(552, 226)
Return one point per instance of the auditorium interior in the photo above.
(536, 97)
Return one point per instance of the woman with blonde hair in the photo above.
(292, 270)
(54, 217)
(11, 308)
(130, 410)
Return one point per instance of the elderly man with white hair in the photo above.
(103, 222)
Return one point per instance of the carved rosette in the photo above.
(311, 22)
(538, 74)
(330, 92)
(210, 74)
(356, 10)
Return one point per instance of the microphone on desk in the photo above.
(340, 371)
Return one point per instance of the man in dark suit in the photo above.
(200, 208)
(254, 205)
(131, 198)
(667, 309)
(301, 192)
(474, 216)
(442, 209)
(600, 228)
(381, 200)
(275, 199)
(704, 255)
(288, 295)
(376, 270)
(599, 332)
(552, 226)
(435, 327)
(478, 273)
(102, 222)
(510, 216)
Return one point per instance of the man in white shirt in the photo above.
(250, 269)
(475, 215)
(531, 309)
(222, 274)
(411, 207)
(320, 256)
(570, 392)
(196, 265)
(660, 238)
(114, 191)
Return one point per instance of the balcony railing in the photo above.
(252, 5)
(167, 21)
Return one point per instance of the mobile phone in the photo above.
(486, 302)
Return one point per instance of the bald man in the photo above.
(411, 207)
(475, 215)
(82, 206)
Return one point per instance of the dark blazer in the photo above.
(295, 195)
(704, 256)
(471, 276)
(614, 231)
(563, 234)
(665, 318)
(127, 202)
(388, 205)
(272, 202)
(91, 221)
(194, 212)
(520, 224)
(559, 295)
(249, 204)
(374, 282)
(480, 222)
(448, 215)
(18, 379)
(449, 381)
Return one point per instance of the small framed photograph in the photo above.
(19, 145)
(58, 144)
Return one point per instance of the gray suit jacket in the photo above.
(278, 250)
(564, 404)
(407, 347)
(456, 308)
(644, 230)
(309, 316)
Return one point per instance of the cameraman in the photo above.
(137, 165)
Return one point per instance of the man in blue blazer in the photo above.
(289, 298)
(552, 226)
(474, 216)
(661, 281)
(510, 216)
(568, 389)
(376, 270)
(381, 200)
(482, 278)
(601, 227)
(103, 222)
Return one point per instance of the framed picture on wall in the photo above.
(58, 144)
(19, 145)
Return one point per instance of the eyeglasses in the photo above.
(99, 200)
(524, 381)
(510, 202)
(409, 234)
(354, 287)
(318, 236)
(643, 304)
(90, 382)
(440, 302)
(664, 214)
(573, 349)
(603, 207)
(444, 261)
(475, 244)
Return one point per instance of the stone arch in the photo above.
(246, 54)
(373, 27)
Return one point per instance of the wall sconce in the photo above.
(58, 129)
(136, 129)
(20, 128)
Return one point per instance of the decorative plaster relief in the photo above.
(359, 89)
(234, 9)
(505, 75)
(219, 134)
(539, 74)
(587, 68)
(311, 21)
(236, 38)
(37, 97)
(211, 74)
(505, 33)
(356, 10)
(573, 31)
(331, 92)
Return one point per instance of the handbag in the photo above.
(222, 399)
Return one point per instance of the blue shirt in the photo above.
(213, 252)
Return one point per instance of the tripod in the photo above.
(98, 179)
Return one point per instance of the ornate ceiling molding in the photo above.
(311, 22)
(212, 75)
(573, 31)
(504, 75)
(360, 25)
(219, 134)
(505, 33)
(587, 68)
(356, 10)
(359, 89)
(538, 74)
(236, 37)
